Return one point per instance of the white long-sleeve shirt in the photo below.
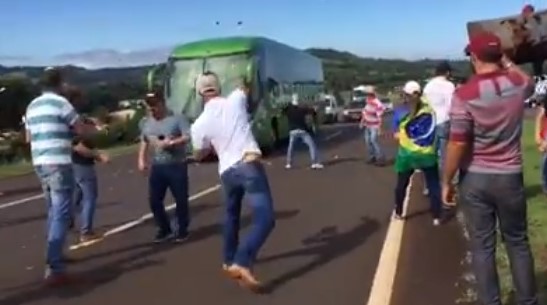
(438, 92)
(224, 124)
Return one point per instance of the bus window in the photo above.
(273, 88)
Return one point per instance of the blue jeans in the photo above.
(57, 184)
(486, 200)
(371, 141)
(172, 176)
(441, 132)
(299, 134)
(86, 194)
(431, 175)
(250, 180)
(544, 173)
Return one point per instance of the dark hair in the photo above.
(493, 57)
(154, 98)
(443, 68)
(52, 78)
(73, 94)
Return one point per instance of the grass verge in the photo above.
(24, 167)
(537, 220)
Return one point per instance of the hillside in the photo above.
(343, 70)
(104, 88)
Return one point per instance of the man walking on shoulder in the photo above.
(491, 189)
(224, 126)
(371, 121)
(438, 93)
(51, 122)
(299, 130)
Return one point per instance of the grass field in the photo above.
(22, 168)
(537, 219)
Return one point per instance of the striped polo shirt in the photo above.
(487, 112)
(49, 118)
(372, 113)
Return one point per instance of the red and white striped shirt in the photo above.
(372, 112)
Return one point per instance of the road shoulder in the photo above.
(433, 265)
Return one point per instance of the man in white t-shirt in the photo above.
(438, 93)
(224, 126)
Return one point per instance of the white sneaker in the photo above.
(288, 166)
(436, 222)
(317, 166)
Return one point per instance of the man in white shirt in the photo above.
(224, 126)
(438, 93)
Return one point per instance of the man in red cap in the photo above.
(485, 133)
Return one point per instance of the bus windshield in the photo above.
(358, 94)
(182, 95)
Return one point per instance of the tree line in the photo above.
(104, 88)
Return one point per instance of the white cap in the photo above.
(207, 83)
(294, 99)
(369, 89)
(412, 87)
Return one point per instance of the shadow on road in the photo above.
(139, 257)
(21, 191)
(325, 246)
(325, 140)
(42, 216)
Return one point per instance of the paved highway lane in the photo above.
(325, 248)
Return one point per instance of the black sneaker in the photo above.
(181, 237)
(162, 237)
(371, 161)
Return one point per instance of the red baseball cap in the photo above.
(484, 44)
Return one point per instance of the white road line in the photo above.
(134, 223)
(332, 136)
(20, 201)
(40, 196)
(382, 287)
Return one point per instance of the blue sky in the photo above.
(380, 28)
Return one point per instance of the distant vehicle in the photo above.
(333, 108)
(358, 94)
(352, 112)
(387, 103)
(274, 70)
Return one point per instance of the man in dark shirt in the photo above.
(299, 130)
(84, 156)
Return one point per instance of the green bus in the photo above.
(274, 70)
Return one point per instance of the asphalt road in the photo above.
(324, 249)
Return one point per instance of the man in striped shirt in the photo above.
(51, 122)
(371, 122)
(485, 142)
